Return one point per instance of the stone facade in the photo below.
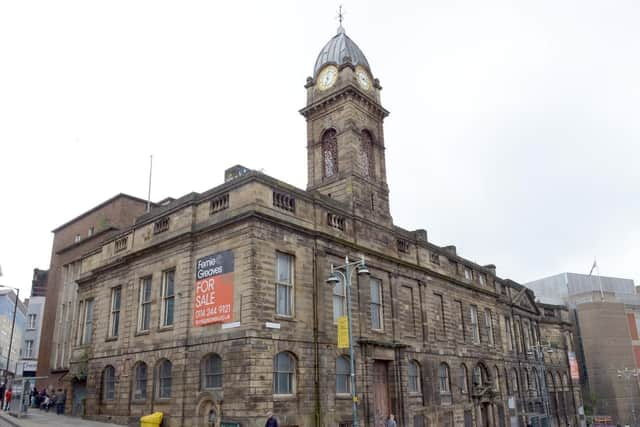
(70, 241)
(421, 314)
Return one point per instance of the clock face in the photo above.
(363, 79)
(327, 77)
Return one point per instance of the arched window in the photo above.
(496, 379)
(550, 385)
(478, 378)
(565, 382)
(413, 373)
(109, 383)
(330, 152)
(366, 153)
(526, 381)
(211, 369)
(343, 375)
(140, 381)
(339, 300)
(443, 379)
(464, 380)
(163, 389)
(514, 380)
(536, 382)
(284, 368)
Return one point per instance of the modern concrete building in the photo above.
(216, 305)
(7, 308)
(606, 312)
(70, 240)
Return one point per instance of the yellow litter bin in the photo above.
(153, 420)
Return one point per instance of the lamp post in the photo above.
(13, 324)
(345, 272)
(628, 375)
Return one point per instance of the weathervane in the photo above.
(340, 15)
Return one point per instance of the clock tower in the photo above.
(345, 140)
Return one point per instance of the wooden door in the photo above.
(380, 393)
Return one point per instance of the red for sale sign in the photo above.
(213, 302)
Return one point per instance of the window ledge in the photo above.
(111, 339)
(377, 331)
(162, 400)
(343, 396)
(165, 328)
(284, 318)
(146, 332)
(139, 401)
(284, 396)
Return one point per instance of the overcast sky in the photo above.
(514, 131)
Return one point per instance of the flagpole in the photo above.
(149, 194)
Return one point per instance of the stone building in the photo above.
(216, 306)
(71, 240)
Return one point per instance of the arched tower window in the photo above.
(366, 153)
(330, 152)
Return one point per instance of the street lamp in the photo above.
(13, 324)
(345, 272)
(629, 374)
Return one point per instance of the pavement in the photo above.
(38, 418)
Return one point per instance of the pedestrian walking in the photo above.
(7, 398)
(60, 399)
(391, 422)
(271, 420)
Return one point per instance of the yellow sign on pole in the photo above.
(343, 332)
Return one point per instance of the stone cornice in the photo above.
(345, 92)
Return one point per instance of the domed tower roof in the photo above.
(337, 49)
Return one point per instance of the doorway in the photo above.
(381, 407)
(484, 409)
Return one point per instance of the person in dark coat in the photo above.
(271, 420)
(3, 387)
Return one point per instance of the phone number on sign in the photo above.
(213, 311)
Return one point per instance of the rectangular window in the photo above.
(284, 284)
(440, 302)
(144, 302)
(31, 321)
(28, 349)
(80, 325)
(526, 334)
(376, 304)
(475, 329)
(411, 311)
(168, 297)
(509, 332)
(339, 300)
(87, 329)
(114, 322)
(467, 273)
(482, 278)
(461, 311)
(516, 330)
(488, 324)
